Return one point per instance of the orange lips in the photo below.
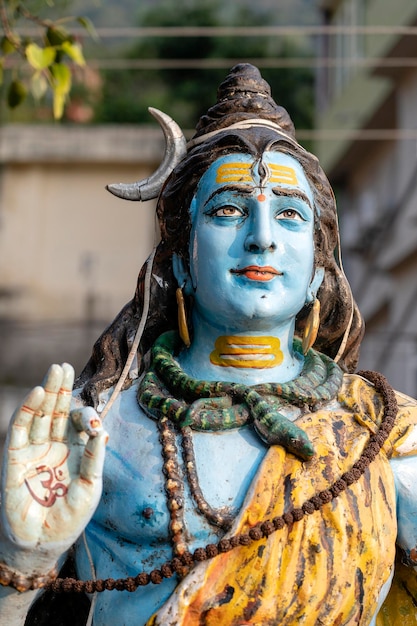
(255, 272)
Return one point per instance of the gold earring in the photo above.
(182, 318)
(312, 327)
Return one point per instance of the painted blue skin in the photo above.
(405, 471)
(129, 531)
(231, 230)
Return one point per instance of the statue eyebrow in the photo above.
(292, 193)
(246, 189)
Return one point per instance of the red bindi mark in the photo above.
(261, 197)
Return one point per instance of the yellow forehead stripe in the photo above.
(234, 172)
(282, 174)
(242, 173)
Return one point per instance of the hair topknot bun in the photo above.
(243, 78)
(243, 95)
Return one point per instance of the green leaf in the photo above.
(57, 35)
(74, 51)
(38, 57)
(16, 94)
(61, 85)
(7, 46)
(59, 103)
(89, 27)
(38, 85)
(1, 72)
(61, 77)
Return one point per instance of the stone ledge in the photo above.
(24, 143)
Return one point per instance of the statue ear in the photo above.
(181, 273)
(315, 284)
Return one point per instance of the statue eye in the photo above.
(289, 214)
(227, 211)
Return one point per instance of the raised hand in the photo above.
(52, 472)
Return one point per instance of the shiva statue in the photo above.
(211, 466)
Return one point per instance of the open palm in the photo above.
(52, 474)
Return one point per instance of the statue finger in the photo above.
(41, 426)
(62, 406)
(22, 419)
(92, 461)
(52, 384)
(86, 419)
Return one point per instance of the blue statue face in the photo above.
(252, 246)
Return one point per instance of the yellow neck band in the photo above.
(249, 352)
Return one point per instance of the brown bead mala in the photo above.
(264, 529)
(175, 489)
(218, 518)
(173, 485)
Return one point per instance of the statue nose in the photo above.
(260, 238)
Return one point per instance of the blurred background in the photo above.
(346, 70)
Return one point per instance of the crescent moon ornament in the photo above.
(175, 150)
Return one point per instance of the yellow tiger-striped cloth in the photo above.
(327, 568)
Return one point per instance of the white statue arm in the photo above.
(51, 485)
(405, 475)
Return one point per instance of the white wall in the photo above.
(70, 252)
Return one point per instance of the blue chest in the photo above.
(129, 532)
(133, 509)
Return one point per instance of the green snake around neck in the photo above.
(167, 391)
